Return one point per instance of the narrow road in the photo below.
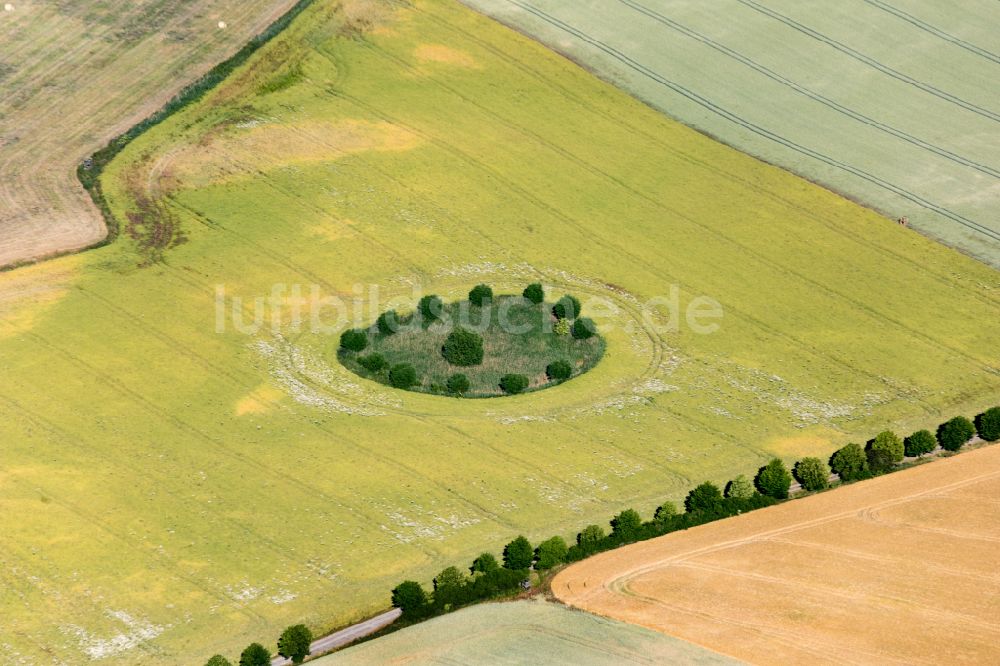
(345, 636)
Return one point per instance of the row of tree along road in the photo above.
(490, 578)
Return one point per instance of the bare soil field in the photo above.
(75, 75)
(899, 569)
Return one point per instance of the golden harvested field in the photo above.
(900, 569)
(73, 75)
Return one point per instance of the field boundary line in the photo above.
(811, 94)
(761, 131)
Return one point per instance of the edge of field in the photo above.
(559, 589)
(567, 55)
(90, 177)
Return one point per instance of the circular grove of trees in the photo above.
(398, 363)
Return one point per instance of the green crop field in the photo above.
(525, 632)
(893, 102)
(176, 481)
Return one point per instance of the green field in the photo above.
(525, 632)
(168, 491)
(893, 102)
(517, 337)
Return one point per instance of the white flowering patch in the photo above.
(135, 632)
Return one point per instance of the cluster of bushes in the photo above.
(568, 319)
(293, 644)
(463, 347)
(454, 588)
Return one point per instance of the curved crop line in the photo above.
(937, 32)
(90, 177)
(871, 62)
(756, 129)
(826, 101)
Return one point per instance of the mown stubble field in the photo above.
(899, 569)
(73, 75)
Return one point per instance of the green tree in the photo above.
(988, 424)
(626, 525)
(534, 293)
(707, 497)
(559, 370)
(430, 308)
(919, 443)
(481, 294)
(850, 463)
(255, 654)
(374, 362)
(449, 587)
(879, 461)
(740, 488)
(353, 339)
(403, 376)
(463, 347)
(812, 473)
(567, 307)
(458, 384)
(562, 327)
(590, 536)
(388, 322)
(954, 433)
(410, 598)
(889, 441)
(773, 479)
(584, 328)
(485, 563)
(518, 554)
(294, 643)
(513, 383)
(217, 660)
(550, 553)
(664, 513)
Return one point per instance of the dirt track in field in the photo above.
(899, 569)
(74, 75)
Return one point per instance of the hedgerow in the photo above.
(704, 504)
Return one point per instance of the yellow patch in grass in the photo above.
(439, 53)
(247, 151)
(820, 442)
(26, 293)
(259, 401)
